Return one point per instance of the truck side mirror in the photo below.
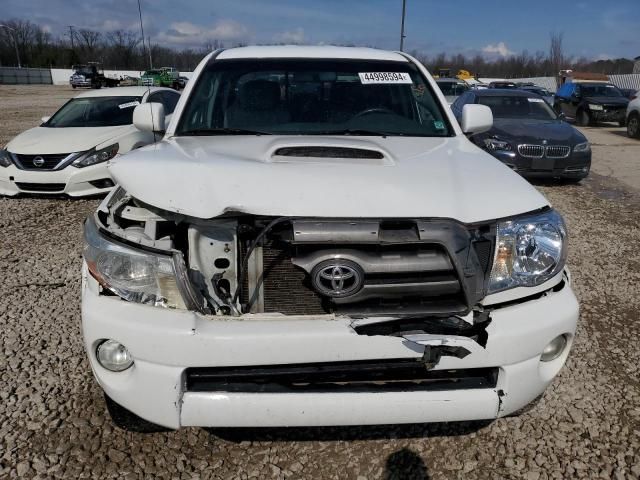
(149, 117)
(476, 119)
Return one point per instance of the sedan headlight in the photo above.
(593, 106)
(134, 274)
(5, 158)
(494, 144)
(96, 156)
(529, 251)
(582, 147)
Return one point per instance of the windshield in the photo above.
(95, 112)
(312, 97)
(600, 91)
(453, 89)
(505, 106)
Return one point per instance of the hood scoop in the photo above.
(329, 154)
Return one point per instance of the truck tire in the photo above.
(128, 421)
(583, 118)
(73, 86)
(633, 125)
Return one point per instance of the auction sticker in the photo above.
(384, 77)
(128, 105)
(535, 100)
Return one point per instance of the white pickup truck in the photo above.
(314, 242)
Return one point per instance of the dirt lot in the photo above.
(53, 423)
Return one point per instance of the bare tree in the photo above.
(556, 52)
(89, 39)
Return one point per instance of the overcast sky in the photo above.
(592, 28)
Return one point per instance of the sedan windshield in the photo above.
(95, 112)
(312, 97)
(506, 106)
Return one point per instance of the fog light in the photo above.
(554, 348)
(114, 356)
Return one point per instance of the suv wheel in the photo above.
(582, 118)
(633, 125)
(129, 421)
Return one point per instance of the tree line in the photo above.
(125, 50)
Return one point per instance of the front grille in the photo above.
(354, 376)
(540, 151)
(557, 151)
(41, 187)
(49, 162)
(531, 151)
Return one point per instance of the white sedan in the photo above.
(68, 152)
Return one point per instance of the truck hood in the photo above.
(205, 177)
(45, 140)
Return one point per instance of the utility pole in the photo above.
(402, 35)
(71, 35)
(150, 60)
(15, 42)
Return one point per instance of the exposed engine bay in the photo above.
(392, 277)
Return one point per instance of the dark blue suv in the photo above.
(591, 102)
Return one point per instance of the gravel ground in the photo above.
(53, 423)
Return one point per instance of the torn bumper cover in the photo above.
(274, 370)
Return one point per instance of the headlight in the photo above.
(582, 147)
(593, 106)
(529, 251)
(133, 274)
(96, 156)
(5, 158)
(494, 144)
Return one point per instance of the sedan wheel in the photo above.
(583, 119)
(633, 126)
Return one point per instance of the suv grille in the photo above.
(48, 162)
(540, 151)
(411, 268)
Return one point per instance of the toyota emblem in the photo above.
(337, 278)
(38, 161)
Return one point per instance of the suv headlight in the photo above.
(529, 251)
(134, 274)
(5, 158)
(96, 156)
(593, 106)
(582, 147)
(494, 144)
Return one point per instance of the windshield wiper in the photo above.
(354, 131)
(222, 131)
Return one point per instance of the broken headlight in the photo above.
(529, 251)
(133, 274)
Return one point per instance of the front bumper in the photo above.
(165, 343)
(71, 181)
(609, 114)
(576, 165)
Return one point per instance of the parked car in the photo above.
(633, 116)
(312, 243)
(67, 153)
(502, 84)
(452, 88)
(528, 136)
(591, 102)
(543, 92)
